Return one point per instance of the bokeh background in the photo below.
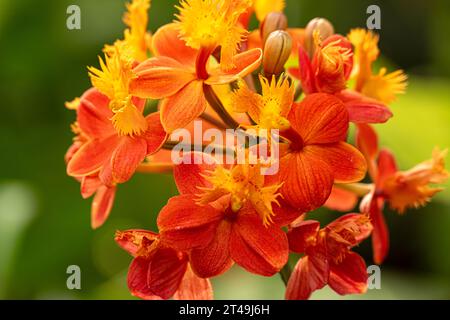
(44, 223)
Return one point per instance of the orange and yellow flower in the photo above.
(401, 189)
(318, 155)
(116, 135)
(381, 86)
(158, 271)
(328, 257)
(226, 217)
(178, 73)
(329, 71)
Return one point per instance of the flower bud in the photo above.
(325, 29)
(273, 22)
(277, 50)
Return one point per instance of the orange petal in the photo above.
(341, 200)
(137, 279)
(380, 233)
(193, 287)
(93, 115)
(387, 167)
(304, 73)
(310, 274)
(353, 227)
(126, 158)
(185, 225)
(307, 181)
(155, 136)
(303, 236)
(254, 40)
(362, 109)
(347, 164)
(258, 249)
(349, 276)
(165, 272)
(320, 118)
(183, 107)
(166, 42)
(91, 157)
(131, 240)
(190, 175)
(244, 64)
(214, 259)
(89, 185)
(367, 142)
(160, 77)
(102, 205)
(284, 213)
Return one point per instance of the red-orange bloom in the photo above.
(92, 186)
(317, 156)
(328, 257)
(178, 74)
(158, 271)
(105, 157)
(227, 230)
(401, 189)
(329, 71)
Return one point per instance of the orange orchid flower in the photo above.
(107, 157)
(401, 189)
(178, 72)
(329, 71)
(226, 216)
(269, 109)
(317, 155)
(158, 271)
(382, 86)
(92, 186)
(328, 257)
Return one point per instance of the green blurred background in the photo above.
(44, 223)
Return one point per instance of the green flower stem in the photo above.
(285, 273)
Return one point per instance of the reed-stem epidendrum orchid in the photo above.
(158, 271)
(400, 189)
(184, 65)
(117, 136)
(328, 258)
(226, 216)
(205, 66)
(317, 155)
(329, 70)
(269, 110)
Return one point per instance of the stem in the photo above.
(213, 121)
(360, 189)
(170, 145)
(285, 273)
(219, 108)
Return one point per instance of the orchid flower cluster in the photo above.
(309, 85)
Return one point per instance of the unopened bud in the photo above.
(277, 50)
(321, 25)
(273, 22)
